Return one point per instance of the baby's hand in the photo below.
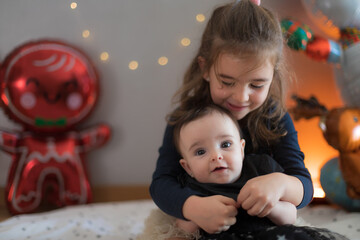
(213, 214)
(260, 194)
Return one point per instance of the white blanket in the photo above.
(124, 220)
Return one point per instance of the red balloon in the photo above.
(318, 49)
(49, 87)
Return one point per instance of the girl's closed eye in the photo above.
(257, 86)
(228, 83)
(259, 83)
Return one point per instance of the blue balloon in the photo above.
(334, 186)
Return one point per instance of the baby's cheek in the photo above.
(74, 101)
(28, 100)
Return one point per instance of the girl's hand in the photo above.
(283, 213)
(213, 214)
(260, 194)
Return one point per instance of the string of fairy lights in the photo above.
(162, 61)
(134, 64)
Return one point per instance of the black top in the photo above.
(169, 196)
(253, 166)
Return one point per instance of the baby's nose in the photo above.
(217, 157)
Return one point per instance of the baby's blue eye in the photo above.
(200, 152)
(225, 144)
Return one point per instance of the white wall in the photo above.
(133, 103)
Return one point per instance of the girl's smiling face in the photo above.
(239, 85)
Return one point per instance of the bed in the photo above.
(125, 220)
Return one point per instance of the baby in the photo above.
(213, 156)
(212, 151)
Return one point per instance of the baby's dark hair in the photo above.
(197, 113)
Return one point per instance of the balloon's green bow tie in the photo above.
(40, 122)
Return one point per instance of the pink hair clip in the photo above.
(257, 2)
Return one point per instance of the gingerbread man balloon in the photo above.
(49, 87)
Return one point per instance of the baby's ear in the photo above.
(242, 144)
(185, 166)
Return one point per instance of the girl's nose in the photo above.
(241, 94)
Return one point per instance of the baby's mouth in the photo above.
(219, 169)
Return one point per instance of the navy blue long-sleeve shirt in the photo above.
(169, 195)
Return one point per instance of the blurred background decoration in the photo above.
(141, 49)
(340, 46)
(48, 87)
(340, 176)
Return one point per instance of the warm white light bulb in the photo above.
(104, 56)
(133, 65)
(73, 5)
(200, 17)
(163, 61)
(185, 42)
(85, 33)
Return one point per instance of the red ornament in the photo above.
(318, 49)
(48, 87)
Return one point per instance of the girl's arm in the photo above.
(260, 194)
(283, 213)
(185, 203)
(165, 189)
(298, 185)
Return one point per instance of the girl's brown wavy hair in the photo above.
(247, 31)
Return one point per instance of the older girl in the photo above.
(240, 67)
